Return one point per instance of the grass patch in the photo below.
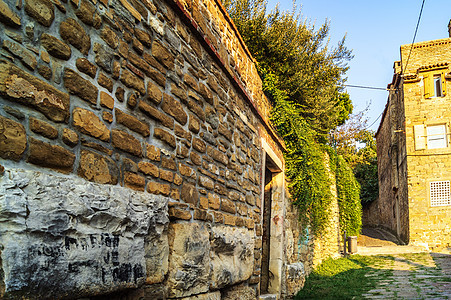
(343, 278)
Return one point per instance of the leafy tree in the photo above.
(366, 170)
(308, 71)
(303, 78)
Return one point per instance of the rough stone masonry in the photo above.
(133, 142)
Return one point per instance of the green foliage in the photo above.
(348, 190)
(344, 278)
(357, 145)
(366, 170)
(309, 180)
(297, 53)
(303, 79)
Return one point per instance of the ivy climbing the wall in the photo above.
(303, 79)
(348, 190)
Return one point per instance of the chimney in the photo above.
(397, 67)
(449, 28)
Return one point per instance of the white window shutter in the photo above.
(420, 137)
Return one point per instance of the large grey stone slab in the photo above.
(65, 236)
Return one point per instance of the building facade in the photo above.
(414, 147)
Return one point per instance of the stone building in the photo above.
(137, 158)
(414, 147)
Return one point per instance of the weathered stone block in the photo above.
(50, 156)
(104, 57)
(295, 276)
(187, 171)
(189, 193)
(70, 137)
(109, 36)
(97, 168)
(240, 292)
(155, 114)
(105, 82)
(166, 175)
(126, 142)
(153, 152)
(228, 206)
(132, 81)
(217, 155)
(43, 128)
(232, 253)
(134, 181)
(165, 136)
(207, 296)
(143, 37)
(55, 47)
(45, 71)
(25, 56)
(106, 100)
(206, 182)
(163, 55)
(181, 214)
(13, 139)
(20, 86)
(149, 169)
(132, 123)
(158, 188)
(199, 145)
(87, 122)
(79, 86)
(154, 93)
(175, 109)
(85, 12)
(86, 67)
(115, 236)
(7, 16)
(73, 33)
(189, 256)
(41, 10)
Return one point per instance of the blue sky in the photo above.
(375, 31)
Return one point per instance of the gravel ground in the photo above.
(406, 272)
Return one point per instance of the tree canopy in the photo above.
(292, 50)
(303, 78)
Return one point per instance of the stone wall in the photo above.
(391, 209)
(132, 137)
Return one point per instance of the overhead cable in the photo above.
(365, 87)
(414, 36)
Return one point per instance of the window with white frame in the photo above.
(430, 136)
(438, 91)
(439, 193)
(436, 136)
(434, 83)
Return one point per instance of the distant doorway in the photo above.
(272, 227)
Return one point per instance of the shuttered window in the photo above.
(420, 137)
(436, 136)
(434, 84)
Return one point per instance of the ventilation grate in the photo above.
(440, 193)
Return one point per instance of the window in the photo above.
(430, 137)
(438, 86)
(434, 84)
(439, 193)
(436, 136)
